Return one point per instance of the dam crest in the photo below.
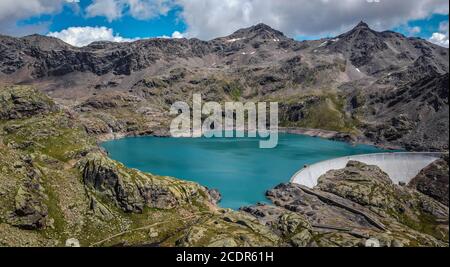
(401, 166)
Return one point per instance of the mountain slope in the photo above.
(58, 188)
(412, 115)
(336, 75)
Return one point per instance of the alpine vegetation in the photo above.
(258, 124)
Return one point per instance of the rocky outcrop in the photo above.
(132, 190)
(323, 209)
(371, 188)
(352, 206)
(29, 211)
(293, 228)
(216, 197)
(433, 181)
(228, 229)
(361, 45)
(118, 114)
(377, 86)
(51, 57)
(108, 102)
(360, 183)
(414, 116)
(391, 89)
(23, 102)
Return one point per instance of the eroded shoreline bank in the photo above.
(319, 133)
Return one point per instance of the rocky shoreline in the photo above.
(342, 220)
(325, 134)
(356, 204)
(348, 222)
(57, 187)
(338, 136)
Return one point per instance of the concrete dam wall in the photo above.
(401, 167)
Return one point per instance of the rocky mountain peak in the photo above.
(45, 42)
(260, 30)
(261, 27)
(361, 29)
(360, 44)
(362, 25)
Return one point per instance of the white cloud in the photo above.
(207, 19)
(82, 36)
(139, 9)
(26, 8)
(441, 37)
(175, 35)
(12, 11)
(415, 30)
(146, 9)
(110, 9)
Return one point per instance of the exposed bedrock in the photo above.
(19, 102)
(433, 180)
(401, 167)
(381, 87)
(413, 116)
(215, 194)
(132, 190)
(351, 205)
(30, 211)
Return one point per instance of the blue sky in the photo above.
(80, 22)
(427, 26)
(126, 26)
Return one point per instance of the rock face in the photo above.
(57, 187)
(373, 86)
(55, 182)
(52, 57)
(293, 228)
(22, 102)
(413, 116)
(215, 195)
(433, 181)
(131, 190)
(356, 204)
(30, 211)
(374, 52)
(360, 183)
(228, 229)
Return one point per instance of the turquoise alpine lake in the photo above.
(237, 167)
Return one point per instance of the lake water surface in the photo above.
(237, 167)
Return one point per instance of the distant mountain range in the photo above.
(57, 102)
(378, 87)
